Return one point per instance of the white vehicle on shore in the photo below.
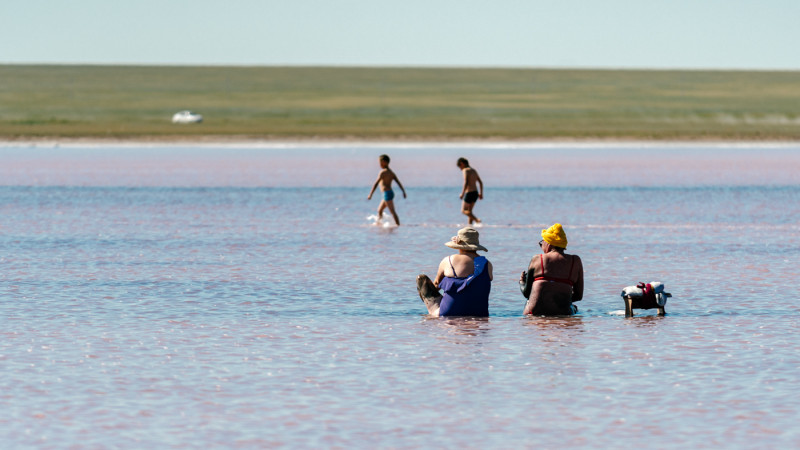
(186, 117)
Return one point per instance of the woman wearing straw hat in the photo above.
(554, 279)
(465, 279)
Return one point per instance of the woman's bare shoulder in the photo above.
(534, 261)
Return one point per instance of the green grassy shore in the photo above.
(133, 102)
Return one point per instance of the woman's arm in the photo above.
(577, 287)
(527, 286)
(526, 280)
(526, 283)
(529, 305)
(439, 274)
(526, 290)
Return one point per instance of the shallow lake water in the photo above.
(239, 296)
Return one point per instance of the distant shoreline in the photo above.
(388, 142)
(343, 105)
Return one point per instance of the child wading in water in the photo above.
(385, 178)
(469, 193)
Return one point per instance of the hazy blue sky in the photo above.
(761, 34)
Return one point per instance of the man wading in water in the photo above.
(469, 193)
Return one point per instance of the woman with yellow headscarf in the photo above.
(554, 279)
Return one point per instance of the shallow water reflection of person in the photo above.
(556, 329)
(466, 326)
(646, 321)
(571, 324)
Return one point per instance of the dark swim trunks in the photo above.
(388, 195)
(471, 197)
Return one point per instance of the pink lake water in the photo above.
(238, 296)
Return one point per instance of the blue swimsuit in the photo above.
(388, 195)
(467, 296)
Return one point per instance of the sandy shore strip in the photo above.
(389, 143)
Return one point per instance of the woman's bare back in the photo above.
(561, 283)
(463, 265)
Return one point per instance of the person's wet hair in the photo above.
(462, 160)
(384, 158)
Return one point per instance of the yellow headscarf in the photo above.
(555, 236)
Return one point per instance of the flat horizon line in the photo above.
(404, 66)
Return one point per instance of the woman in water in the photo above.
(465, 279)
(554, 279)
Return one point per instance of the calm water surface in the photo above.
(239, 297)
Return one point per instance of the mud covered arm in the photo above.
(525, 286)
(526, 283)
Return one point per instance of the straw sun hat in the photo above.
(467, 239)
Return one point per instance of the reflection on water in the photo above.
(645, 320)
(547, 324)
(151, 300)
(463, 326)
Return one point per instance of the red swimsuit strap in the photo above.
(455, 275)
